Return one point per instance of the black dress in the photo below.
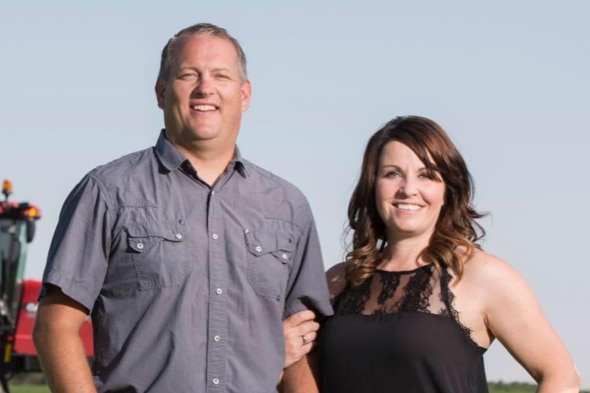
(399, 332)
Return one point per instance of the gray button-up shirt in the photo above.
(187, 284)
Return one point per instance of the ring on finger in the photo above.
(304, 339)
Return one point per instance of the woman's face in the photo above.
(409, 198)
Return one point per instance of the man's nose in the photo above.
(205, 86)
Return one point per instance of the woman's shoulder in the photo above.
(486, 288)
(336, 276)
(484, 262)
(488, 271)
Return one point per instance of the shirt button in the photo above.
(215, 381)
(215, 236)
(246, 231)
(284, 256)
(140, 246)
(178, 236)
(217, 339)
(258, 249)
(219, 291)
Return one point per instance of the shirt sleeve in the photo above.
(78, 255)
(307, 286)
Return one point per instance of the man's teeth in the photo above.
(203, 108)
(405, 206)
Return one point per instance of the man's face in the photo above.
(204, 96)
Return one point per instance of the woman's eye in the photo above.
(392, 174)
(430, 175)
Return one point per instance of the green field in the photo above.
(515, 387)
(29, 389)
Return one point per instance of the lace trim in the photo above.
(418, 291)
(407, 291)
(448, 297)
(352, 300)
(389, 287)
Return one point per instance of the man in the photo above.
(187, 256)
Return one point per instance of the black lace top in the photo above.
(399, 332)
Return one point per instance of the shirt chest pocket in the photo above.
(270, 257)
(159, 252)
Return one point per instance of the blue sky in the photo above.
(508, 80)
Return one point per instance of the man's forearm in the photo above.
(57, 338)
(64, 362)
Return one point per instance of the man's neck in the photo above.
(208, 164)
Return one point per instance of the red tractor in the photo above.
(18, 297)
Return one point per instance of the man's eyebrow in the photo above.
(225, 69)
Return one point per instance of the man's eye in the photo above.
(187, 75)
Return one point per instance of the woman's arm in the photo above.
(514, 317)
(299, 331)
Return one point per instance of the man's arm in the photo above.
(301, 377)
(57, 338)
(307, 287)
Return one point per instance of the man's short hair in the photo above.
(200, 28)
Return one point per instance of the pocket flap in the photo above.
(166, 230)
(261, 242)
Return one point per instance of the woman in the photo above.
(417, 302)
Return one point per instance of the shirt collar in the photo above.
(171, 158)
(238, 163)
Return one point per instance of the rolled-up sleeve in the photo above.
(307, 286)
(78, 255)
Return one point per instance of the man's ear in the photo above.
(246, 94)
(160, 92)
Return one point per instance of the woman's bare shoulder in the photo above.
(491, 273)
(487, 266)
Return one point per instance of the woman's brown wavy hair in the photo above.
(456, 228)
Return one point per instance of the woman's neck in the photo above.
(404, 254)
